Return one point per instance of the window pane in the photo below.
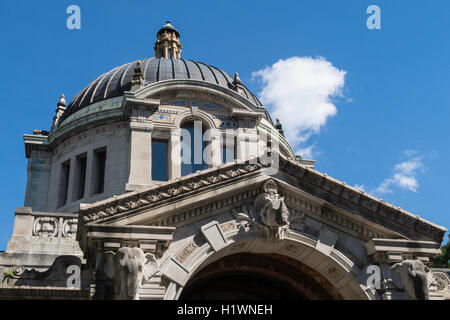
(227, 154)
(159, 160)
(98, 181)
(80, 176)
(64, 183)
(193, 161)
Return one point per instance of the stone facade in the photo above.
(97, 225)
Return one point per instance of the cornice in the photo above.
(337, 194)
(396, 250)
(35, 142)
(357, 202)
(136, 200)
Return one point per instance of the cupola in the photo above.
(168, 43)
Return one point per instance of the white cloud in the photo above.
(404, 175)
(298, 91)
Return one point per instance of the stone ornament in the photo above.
(165, 192)
(46, 227)
(271, 206)
(442, 281)
(128, 267)
(49, 227)
(415, 278)
(69, 228)
(269, 214)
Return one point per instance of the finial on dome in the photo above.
(237, 85)
(279, 127)
(237, 80)
(62, 101)
(168, 43)
(59, 112)
(138, 77)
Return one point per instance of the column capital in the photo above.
(146, 126)
(390, 251)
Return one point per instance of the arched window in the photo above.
(193, 147)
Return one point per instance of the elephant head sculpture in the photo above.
(127, 267)
(414, 276)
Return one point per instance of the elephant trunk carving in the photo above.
(128, 267)
(414, 276)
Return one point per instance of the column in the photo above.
(246, 144)
(39, 170)
(216, 150)
(175, 154)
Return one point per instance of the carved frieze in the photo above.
(228, 226)
(52, 227)
(194, 93)
(189, 248)
(115, 207)
(186, 251)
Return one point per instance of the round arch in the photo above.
(258, 276)
(333, 271)
(199, 115)
(231, 98)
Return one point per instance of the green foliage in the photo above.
(8, 273)
(443, 260)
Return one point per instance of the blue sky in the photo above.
(392, 114)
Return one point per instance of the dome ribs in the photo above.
(157, 70)
(88, 90)
(246, 94)
(115, 82)
(210, 70)
(180, 70)
(227, 81)
(199, 69)
(150, 74)
(128, 73)
(144, 70)
(173, 69)
(94, 93)
(109, 81)
(187, 69)
(165, 70)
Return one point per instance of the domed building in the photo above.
(166, 178)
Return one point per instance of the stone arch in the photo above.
(230, 98)
(258, 276)
(331, 265)
(200, 115)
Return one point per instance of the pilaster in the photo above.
(389, 252)
(140, 112)
(175, 154)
